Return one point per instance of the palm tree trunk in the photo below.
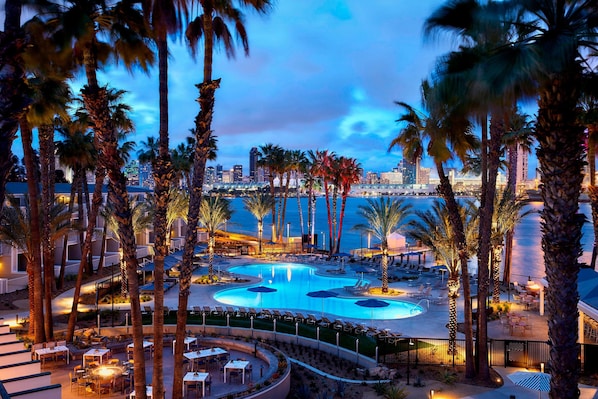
(203, 133)
(65, 240)
(485, 231)
(560, 157)
(384, 265)
(447, 193)
(341, 218)
(46, 154)
(299, 209)
(91, 223)
(453, 293)
(36, 297)
(512, 185)
(96, 103)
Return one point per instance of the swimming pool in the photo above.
(292, 283)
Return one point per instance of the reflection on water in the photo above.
(527, 249)
(292, 283)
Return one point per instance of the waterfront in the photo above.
(527, 261)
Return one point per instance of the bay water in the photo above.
(527, 261)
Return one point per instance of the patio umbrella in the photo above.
(532, 380)
(322, 294)
(372, 303)
(261, 289)
(363, 269)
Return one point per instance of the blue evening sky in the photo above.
(321, 74)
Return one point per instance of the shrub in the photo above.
(380, 388)
(395, 392)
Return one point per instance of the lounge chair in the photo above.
(311, 319)
(218, 311)
(196, 310)
(349, 327)
(324, 322)
(253, 312)
(230, 310)
(288, 316)
(338, 325)
(267, 314)
(299, 317)
(241, 312)
(207, 309)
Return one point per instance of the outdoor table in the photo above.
(204, 353)
(147, 345)
(236, 365)
(95, 354)
(196, 377)
(148, 392)
(188, 341)
(53, 351)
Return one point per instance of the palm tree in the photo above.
(485, 90)
(508, 212)
(270, 156)
(446, 131)
(589, 118)
(558, 33)
(518, 137)
(350, 173)
(16, 229)
(383, 218)
(259, 204)
(322, 166)
(433, 228)
(214, 212)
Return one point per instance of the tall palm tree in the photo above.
(447, 131)
(16, 229)
(323, 162)
(77, 152)
(211, 26)
(433, 228)
(49, 100)
(350, 173)
(485, 90)
(519, 136)
(214, 212)
(551, 53)
(508, 213)
(588, 103)
(383, 218)
(259, 204)
(80, 25)
(270, 157)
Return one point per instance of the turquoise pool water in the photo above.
(292, 283)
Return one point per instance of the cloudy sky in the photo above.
(321, 74)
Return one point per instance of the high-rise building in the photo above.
(253, 157)
(146, 177)
(522, 165)
(210, 175)
(409, 170)
(423, 176)
(237, 173)
(218, 173)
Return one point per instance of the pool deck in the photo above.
(431, 324)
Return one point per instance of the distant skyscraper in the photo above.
(424, 176)
(132, 173)
(253, 157)
(409, 170)
(522, 165)
(146, 178)
(210, 175)
(219, 173)
(237, 173)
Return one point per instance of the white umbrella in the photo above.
(532, 380)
